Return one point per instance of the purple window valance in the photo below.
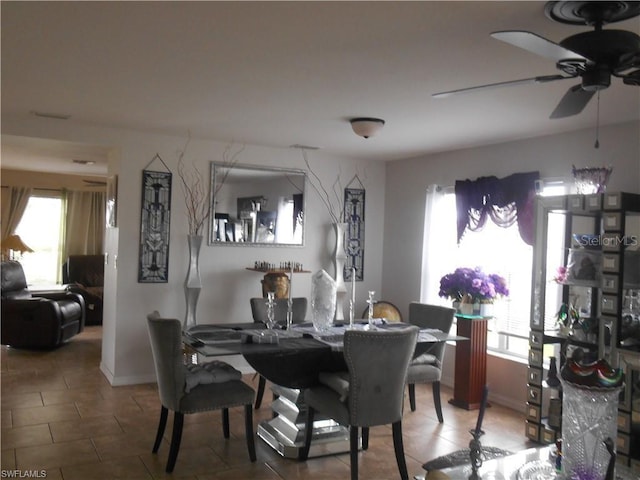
(505, 200)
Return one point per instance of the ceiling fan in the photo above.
(594, 56)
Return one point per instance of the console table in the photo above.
(471, 362)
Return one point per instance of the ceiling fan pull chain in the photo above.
(597, 144)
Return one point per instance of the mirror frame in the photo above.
(259, 168)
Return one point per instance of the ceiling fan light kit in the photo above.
(366, 126)
(594, 56)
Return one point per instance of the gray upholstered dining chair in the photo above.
(371, 392)
(185, 394)
(427, 368)
(259, 313)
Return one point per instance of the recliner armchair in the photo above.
(84, 274)
(38, 320)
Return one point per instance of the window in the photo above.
(40, 228)
(496, 250)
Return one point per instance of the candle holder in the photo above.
(370, 301)
(289, 313)
(351, 325)
(475, 453)
(271, 314)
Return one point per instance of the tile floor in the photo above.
(60, 415)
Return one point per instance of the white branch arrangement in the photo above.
(332, 199)
(194, 187)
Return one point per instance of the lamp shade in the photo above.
(366, 126)
(15, 243)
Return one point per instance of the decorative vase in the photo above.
(466, 305)
(552, 375)
(466, 308)
(589, 419)
(192, 284)
(339, 258)
(323, 300)
(486, 310)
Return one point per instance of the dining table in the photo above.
(291, 359)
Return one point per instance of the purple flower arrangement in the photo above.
(473, 285)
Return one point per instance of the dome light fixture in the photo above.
(366, 126)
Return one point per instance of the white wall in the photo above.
(227, 284)
(552, 156)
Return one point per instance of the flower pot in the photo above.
(466, 308)
(486, 309)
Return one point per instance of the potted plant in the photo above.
(472, 286)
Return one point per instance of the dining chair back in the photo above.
(259, 313)
(377, 362)
(173, 377)
(427, 368)
(259, 310)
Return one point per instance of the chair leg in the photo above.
(225, 422)
(412, 396)
(365, 438)
(260, 393)
(399, 449)
(248, 431)
(308, 433)
(435, 386)
(164, 413)
(176, 437)
(353, 451)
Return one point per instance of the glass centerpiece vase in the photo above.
(323, 300)
(589, 424)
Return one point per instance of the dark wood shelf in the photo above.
(276, 270)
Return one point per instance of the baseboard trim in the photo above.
(116, 381)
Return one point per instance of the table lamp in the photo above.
(13, 247)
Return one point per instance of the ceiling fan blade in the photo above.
(536, 44)
(632, 79)
(628, 65)
(573, 102)
(524, 81)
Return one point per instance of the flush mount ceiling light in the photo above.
(366, 126)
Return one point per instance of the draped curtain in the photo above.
(505, 201)
(438, 246)
(84, 226)
(13, 209)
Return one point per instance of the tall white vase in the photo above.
(339, 257)
(192, 284)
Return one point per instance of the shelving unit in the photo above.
(609, 225)
(620, 320)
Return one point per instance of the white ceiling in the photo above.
(284, 73)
